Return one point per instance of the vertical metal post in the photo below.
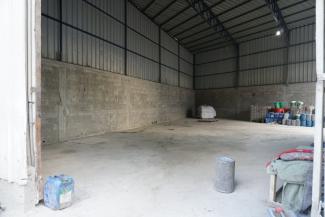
(237, 65)
(193, 76)
(159, 54)
(125, 37)
(33, 66)
(60, 36)
(179, 64)
(286, 59)
(319, 114)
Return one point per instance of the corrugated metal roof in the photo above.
(243, 19)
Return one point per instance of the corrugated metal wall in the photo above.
(92, 33)
(143, 47)
(302, 55)
(169, 60)
(215, 69)
(261, 62)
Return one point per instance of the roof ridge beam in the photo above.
(278, 17)
(212, 19)
(195, 15)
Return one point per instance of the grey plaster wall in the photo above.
(235, 103)
(79, 101)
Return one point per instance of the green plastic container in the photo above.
(282, 104)
(279, 104)
(276, 104)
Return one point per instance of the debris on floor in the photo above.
(58, 192)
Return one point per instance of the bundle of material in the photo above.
(206, 112)
(294, 167)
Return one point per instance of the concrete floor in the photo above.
(168, 170)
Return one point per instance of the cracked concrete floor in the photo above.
(169, 169)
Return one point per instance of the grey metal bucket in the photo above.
(225, 174)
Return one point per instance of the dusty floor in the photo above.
(168, 170)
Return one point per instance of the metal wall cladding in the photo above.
(168, 42)
(224, 66)
(50, 38)
(214, 55)
(142, 24)
(112, 7)
(142, 68)
(186, 67)
(93, 35)
(262, 76)
(185, 80)
(169, 59)
(302, 55)
(215, 81)
(186, 55)
(216, 68)
(169, 76)
(143, 46)
(262, 61)
(261, 44)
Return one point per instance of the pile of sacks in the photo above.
(294, 167)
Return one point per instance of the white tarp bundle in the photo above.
(206, 111)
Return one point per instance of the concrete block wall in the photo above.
(235, 103)
(79, 101)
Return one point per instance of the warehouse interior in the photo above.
(121, 84)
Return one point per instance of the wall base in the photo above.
(79, 101)
(235, 103)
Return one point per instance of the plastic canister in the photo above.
(58, 192)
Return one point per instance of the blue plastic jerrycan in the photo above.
(58, 192)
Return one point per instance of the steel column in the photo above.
(237, 65)
(60, 36)
(193, 77)
(319, 114)
(125, 37)
(159, 54)
(179, 63)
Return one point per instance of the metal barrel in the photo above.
(225, 171)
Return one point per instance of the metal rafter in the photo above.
(143, 10)
(236, 25)
(211, 18)
(237, 32)
(278, 17)
(175, 15)
(163, 9)
(224, 12)
(282, 27)
(195, 15)
(236, 17)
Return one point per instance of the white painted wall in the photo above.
(13, 110)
